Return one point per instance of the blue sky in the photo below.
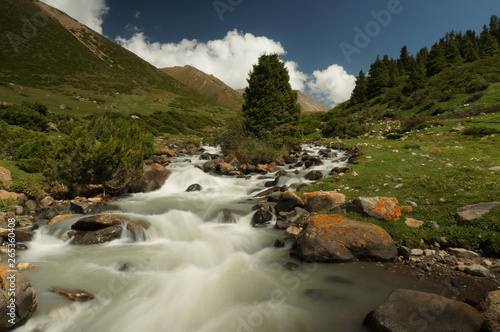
(320, 40)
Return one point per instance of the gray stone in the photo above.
(194, 187)
(31, 205)
(413, 311)
(475, 211)
(153, 178)
(314, 176)
(47, 201)
(477, 270)
(98, 222)
(297, 217)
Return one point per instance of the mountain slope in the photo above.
(41, 47)
(207, 85)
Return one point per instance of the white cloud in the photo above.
(229, 59)
(88, 12)
(332, 86)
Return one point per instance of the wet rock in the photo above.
(475, 211)
(477, 270)
(211, 166)
(263, 214)
(226, 168)
(21, 235)
(153, 178)
(25, 266)
(292, 266)
(491, 307)
(98, 222)
(414, 311)
(5, 178)
(87, 207)
(288, 201)
(384, 208)
(59, 218)
(138, 229)
(314, 176)
(78, 295)
(279, 243)
(331, 238)
(459, 283)
(194, 187)
(323, 200)
(228, 217)
(47, 201)
(297, 218)
(269, 191)
(264, 169)
(96, 237)
(24, 304)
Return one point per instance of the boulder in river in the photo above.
(95, 237)
(384, 208)
(288, 201)
(414, 311)
(297, 218)
(153, 178)
(314, 176)
(17, 309)
(333, 238)
(98, 222)
(78, 295)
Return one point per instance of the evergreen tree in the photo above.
(437, 60)
(270, 108)
(379, 77)
(451, 48)
(469, 46)
(495, 27)
(488, 44)
(416, 79)
(406, 61)
(359, 94)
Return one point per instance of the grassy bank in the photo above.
(438, 170)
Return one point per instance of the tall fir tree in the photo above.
(469, 46)
(360, 92)
(488, 44)
(405, 61)
(379, 78)
(270, 108)
(437, 60)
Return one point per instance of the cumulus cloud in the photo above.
(331, 86)
(229, 59)
(88, 12)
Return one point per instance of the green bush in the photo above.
(104, 151)
(343, 127)
(7, 204)
(25, 117)
(479, 131)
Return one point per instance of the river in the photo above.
(193, 271)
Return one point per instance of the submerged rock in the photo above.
(332, 238)
(413, 311)
(78, 295)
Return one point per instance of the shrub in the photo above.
(343, 127)
(479, 131)
(104, 151)
(25, 117)
(7, 204)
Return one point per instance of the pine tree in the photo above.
(270, 108)
(488, 44)
(437, 60)
(469, 46)
(416, 79)
(406, 61)
(359, 94)
(379, 78)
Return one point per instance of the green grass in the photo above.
(31, 184)
(439, 181)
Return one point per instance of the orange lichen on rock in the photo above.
(406, 208)
(326, 219)
(388, 208)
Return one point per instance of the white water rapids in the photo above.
(195, 273)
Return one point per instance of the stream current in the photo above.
(195, 272)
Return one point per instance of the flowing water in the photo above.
(194, 271)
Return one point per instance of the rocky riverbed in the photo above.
(312, 230)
